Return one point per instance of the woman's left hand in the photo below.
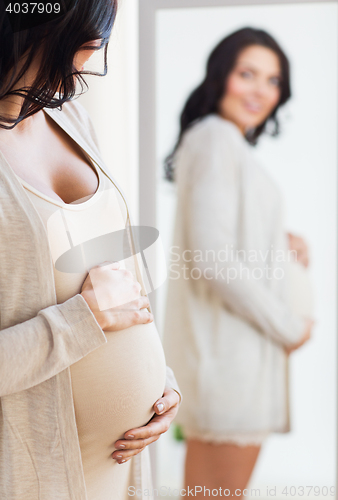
(142, 436)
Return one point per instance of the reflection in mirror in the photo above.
(227, 339)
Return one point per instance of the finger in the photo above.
(157, 425)
(136, 317)
(124, 456)
(140, 303)
(134, 444)
(169, 399)
(130, 447)
(127, 318)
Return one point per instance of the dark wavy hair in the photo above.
(59, 40)
(205, 99)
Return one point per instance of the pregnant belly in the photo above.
(116, 386)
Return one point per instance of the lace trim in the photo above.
(240, 439)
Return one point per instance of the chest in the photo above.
(53, 163)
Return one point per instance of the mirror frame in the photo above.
(147, 117)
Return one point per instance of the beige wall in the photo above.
(112, 102)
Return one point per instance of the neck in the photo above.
(242, 128)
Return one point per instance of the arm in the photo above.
(36, 350)
(213, 199)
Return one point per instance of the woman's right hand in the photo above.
(306, 336)
(127, 306)
(298, 245)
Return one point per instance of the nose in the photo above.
(261, 88)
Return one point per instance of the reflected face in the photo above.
(82, 56)
(252, 88)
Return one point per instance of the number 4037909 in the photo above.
(309, 491)
(33, 8)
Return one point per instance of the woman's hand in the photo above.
(297, 244)
(166, 409)
(121, 292)
(305, 338)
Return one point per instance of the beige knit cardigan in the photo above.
(225, 338)
(40, 456)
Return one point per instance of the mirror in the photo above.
(302, 161)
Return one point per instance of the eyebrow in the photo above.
(252, 68)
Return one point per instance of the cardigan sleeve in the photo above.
(171, 383)
(213, 208)
(35, 350)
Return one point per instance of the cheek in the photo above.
(274, 98)
(81, 57)
(236, 87)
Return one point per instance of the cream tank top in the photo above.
(116, 385)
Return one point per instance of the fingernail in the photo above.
(130, 436)
(122, 461)
(121, 446)
(118, 456)
(160, 407)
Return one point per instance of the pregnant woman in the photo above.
(230, 324)
(83, 382)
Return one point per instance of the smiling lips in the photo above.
(253, 107)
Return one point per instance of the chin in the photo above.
(250, 120)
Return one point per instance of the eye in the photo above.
(94, 45)
(275, 81)
(246, 74)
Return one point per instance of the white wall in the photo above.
(304, 163)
